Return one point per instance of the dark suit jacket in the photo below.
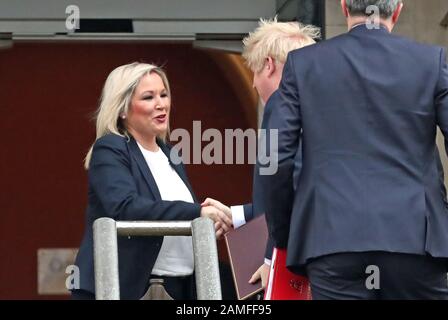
(122, 187)
(368, 103)
(256, 208)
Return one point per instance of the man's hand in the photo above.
(263, 273)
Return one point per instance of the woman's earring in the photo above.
(123, 116)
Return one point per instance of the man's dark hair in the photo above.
(360, 7)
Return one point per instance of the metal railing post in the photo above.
(106, 230)
(105, 246)
(154, 228)
(208, 284)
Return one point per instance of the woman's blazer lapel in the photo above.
(140, 159)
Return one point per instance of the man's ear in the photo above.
(270, 66)
(397, 13)
(344, 8)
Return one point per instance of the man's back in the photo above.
(369, 179)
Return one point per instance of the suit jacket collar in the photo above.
(362, 28)
(140, 159)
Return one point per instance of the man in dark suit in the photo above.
(368, 219)
(265, 52)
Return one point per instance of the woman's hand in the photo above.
(218, 216)
(218, 205)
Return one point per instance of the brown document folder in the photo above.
(246, 246)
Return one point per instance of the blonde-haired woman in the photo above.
(131, 178)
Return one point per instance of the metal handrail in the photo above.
(106, 231)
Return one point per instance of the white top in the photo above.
(176, 254)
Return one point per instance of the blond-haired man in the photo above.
(266, 49)
(265, 52)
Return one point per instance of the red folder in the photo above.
(282, 283)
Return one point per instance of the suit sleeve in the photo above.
(285, 120)
(441, 98)
(441, 175)
(111, 180)
(269, 249)
(248, 212)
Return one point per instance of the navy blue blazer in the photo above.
(368, 103)
(122, 187)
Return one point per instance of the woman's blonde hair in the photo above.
(276, 39)
(116, 98)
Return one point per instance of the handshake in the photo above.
(219, 213)
(222, 216)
